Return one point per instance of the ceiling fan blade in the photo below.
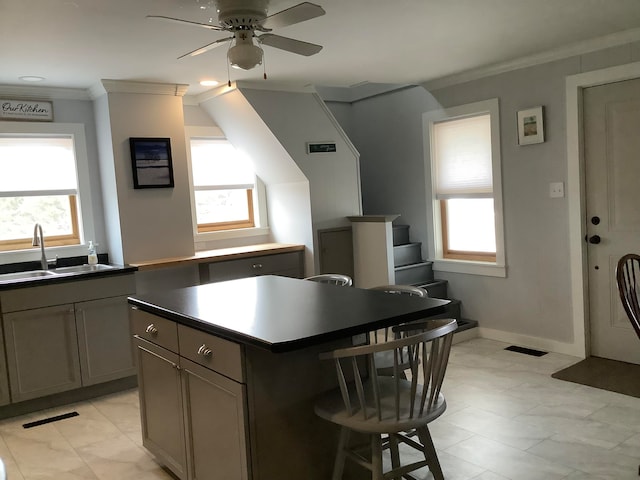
(296, 14)
(289, 44)
(185, 22)
(206, 48)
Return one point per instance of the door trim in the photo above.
(576, 195)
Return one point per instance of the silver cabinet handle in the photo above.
(205, 351)
(257, 266)
(151, 330)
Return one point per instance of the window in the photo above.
(223, 186)
(38, 184)
(464, 161)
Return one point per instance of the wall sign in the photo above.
(321, 147)
(41, 111)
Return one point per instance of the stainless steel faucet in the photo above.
(38, 241)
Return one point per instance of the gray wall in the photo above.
(534, 300)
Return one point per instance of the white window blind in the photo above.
(37, 166)
(462, 150)
(217, 165)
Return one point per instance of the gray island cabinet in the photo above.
(228, 372)
(64, 336)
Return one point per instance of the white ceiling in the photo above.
(75, 43)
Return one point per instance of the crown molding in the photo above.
(44, 93)
(560, 53)
(126, 86)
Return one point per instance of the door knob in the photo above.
(594, 239)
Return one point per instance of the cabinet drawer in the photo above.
(155, 329)
(221, 355)
(254, 266)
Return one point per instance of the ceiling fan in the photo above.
(243, 18)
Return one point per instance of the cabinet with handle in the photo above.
(192, 399)
(65, 336)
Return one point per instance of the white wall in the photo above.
(533, 304)
(75, 111)
(296, 118)
(154, 223)
(304, 192)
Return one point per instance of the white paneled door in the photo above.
(612, 174)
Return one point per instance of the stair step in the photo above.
(417, 273)
(436, 288)
(452, 311)
(407, 254)
(400, 234)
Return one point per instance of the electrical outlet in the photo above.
(556, 190)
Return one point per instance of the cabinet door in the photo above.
(161, 405)
(216, 423)
(288, 264)
(4, 379)
(104, 340)
(42, 351)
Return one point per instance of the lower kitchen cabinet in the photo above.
(193, 417)
(65, 336)
(102, 327)
(214, 409)
(42, 351)
(5, 397)
(161, 408)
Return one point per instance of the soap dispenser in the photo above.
(93, 256)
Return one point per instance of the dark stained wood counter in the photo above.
(283, 314)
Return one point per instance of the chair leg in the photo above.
(341, 455)
(395, 453)
(430, 454)
(376, 457)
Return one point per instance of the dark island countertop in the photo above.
(282, 314)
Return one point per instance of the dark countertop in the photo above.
(62, 276)
(282, 314)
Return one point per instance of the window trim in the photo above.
(496, 268)
(84, 202)
(50, 240)
(222, 226)
(449, 254)
(258, 198)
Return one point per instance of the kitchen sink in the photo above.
(62, 271)
(25, 275)
(83, 269)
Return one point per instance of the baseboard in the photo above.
(464, 335)
(537, 343)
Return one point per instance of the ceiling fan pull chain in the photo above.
(228, 74)
(264, 66)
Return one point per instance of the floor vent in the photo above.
(50, 419)
(526, 351)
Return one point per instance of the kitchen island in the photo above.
(228, 372)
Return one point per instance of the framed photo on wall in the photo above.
(530, 126)
(151, 162)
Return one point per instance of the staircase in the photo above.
(411, 269)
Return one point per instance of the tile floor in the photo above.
(506, 419)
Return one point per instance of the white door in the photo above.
(612, 174)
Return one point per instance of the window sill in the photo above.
(470, 268)
(228, 234)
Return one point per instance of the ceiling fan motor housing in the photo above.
(237, 14)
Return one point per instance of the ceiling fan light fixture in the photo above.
(245, 56)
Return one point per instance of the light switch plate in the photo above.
(556, 190)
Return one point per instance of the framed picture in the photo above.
(151, 162)
(530, 126)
